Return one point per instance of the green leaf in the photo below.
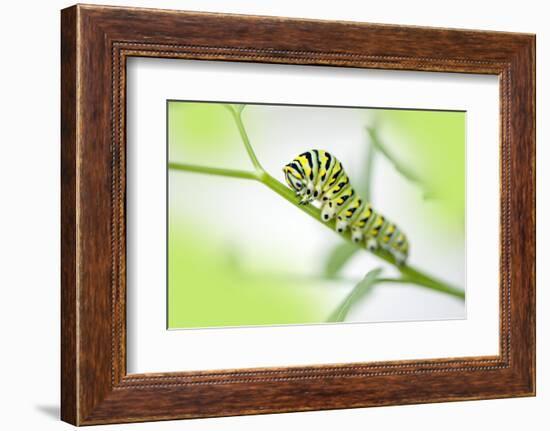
(362, 289)
(338, 258)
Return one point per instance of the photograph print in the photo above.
(300, 215)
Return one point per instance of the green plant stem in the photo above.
(235, 173)
(329, 278)
(361, 289)
(237, 116)
(409, 274)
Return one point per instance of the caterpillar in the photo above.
(316, 175)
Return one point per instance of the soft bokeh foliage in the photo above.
(209, 288)
(432, 145)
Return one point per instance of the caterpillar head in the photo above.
(294, 179)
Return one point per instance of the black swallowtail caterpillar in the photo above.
(316, 175)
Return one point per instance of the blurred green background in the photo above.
(239, 255)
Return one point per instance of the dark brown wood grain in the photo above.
(95, 42)
(68, 216)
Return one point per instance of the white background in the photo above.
(152, 349)
(29, 232)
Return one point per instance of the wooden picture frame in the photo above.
(96, 41)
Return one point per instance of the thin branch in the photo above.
(244, 136)
(330, 279)
(338, 281)
(361, 289)
(213, 171)
(400, 280)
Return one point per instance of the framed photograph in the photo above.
(263, 215)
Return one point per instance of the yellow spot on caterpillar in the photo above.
(293, 171)
(335, 171)
(305, 164)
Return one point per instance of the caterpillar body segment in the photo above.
(317, 175)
